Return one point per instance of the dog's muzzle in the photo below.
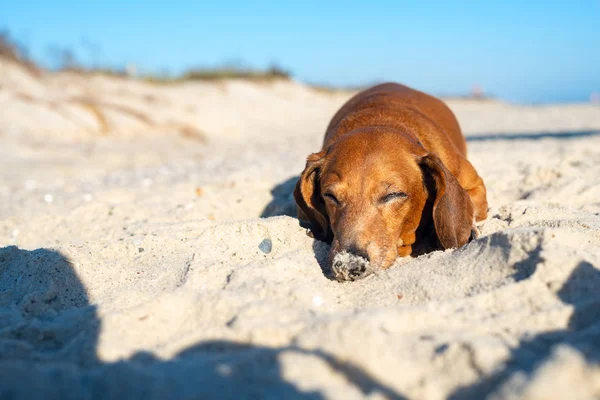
(350, 267)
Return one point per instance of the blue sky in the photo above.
(524, 51)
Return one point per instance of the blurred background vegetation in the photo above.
(66, 59)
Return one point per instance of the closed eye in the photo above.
(332, 198)
(393, 196)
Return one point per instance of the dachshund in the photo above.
(392, 179)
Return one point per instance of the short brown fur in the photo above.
(393, 163)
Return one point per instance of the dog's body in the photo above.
(393, 164)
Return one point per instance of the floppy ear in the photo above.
(452, 208)
(311, 207)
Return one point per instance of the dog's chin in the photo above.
(349, 267)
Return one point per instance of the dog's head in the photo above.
(365, 194)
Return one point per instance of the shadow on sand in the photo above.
(582, 291)
(49, 333)
(283, 203)
(530, 136)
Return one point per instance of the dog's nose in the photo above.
(350, 268)
(356, 251)
(357, 267)
(351, 264)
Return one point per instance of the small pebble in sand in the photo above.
(48, 198)
(266, 246)
(199, 191)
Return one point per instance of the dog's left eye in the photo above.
(393, 196)
(332, 198)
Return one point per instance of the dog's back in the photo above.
(397, 106)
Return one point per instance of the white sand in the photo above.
(133, 261)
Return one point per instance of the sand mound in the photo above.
(134, 263)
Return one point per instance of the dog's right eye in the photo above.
(332, 198)
(393, 196)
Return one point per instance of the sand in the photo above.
(145, 253)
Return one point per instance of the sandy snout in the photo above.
(350, 267)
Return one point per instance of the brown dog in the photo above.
(392, 179)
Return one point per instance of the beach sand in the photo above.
(144, 253)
